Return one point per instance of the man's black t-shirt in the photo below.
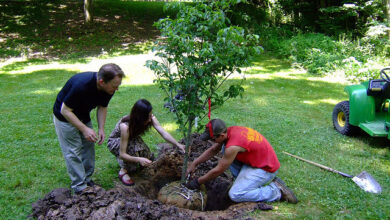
(80, 93)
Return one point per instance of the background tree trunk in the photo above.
(88, 11)
(386, 8)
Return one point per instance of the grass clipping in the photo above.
(176, 194)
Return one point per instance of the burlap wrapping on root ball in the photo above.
(179, 196)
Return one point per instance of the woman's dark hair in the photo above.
(138, 116)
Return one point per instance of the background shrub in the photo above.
(319, 54)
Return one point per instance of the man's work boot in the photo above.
(287, 194)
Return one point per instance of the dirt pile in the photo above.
(140, 201)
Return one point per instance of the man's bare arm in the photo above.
(223, 164)
(101, 115)
(205, 156)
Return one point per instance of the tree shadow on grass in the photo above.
(56, 29)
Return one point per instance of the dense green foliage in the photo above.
(320, 54)
(331, 17)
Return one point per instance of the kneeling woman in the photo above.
(126, 144)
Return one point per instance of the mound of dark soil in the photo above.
(140, 201)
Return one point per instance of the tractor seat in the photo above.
(378, 87)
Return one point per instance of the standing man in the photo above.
(82, 93)
(252, 161)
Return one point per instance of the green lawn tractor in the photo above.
(367, 108)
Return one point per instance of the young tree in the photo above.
(199, 50)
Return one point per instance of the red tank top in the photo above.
(259, 153)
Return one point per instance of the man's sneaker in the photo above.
(86, 190)
(79, 192)
(91, 183)
(287, 194)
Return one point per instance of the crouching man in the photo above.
(252, 162)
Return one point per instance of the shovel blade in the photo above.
(365, 181)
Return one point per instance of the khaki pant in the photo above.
(79, 154)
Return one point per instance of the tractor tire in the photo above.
(341, 119)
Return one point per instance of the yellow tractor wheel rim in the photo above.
(341, 119)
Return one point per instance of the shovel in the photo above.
(363, 180)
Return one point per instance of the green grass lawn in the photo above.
(290, 108)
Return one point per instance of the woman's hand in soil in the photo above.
(181, 147)
(144, 161)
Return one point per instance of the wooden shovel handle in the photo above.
(319, 165)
